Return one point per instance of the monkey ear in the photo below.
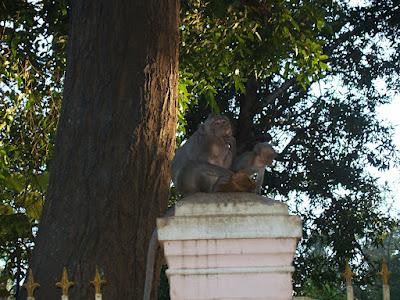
(257, 148)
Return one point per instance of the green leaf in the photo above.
(34, 210)
(42, 181)
(15, 182)
(320, 24)
(239, 86)
(6, 209)
(212, 102)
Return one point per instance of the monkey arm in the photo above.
(244, 161)
(260, 181)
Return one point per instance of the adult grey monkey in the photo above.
(203, 163)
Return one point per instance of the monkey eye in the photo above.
(229, 146)
(253, 177)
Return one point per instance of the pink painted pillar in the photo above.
(229, 246)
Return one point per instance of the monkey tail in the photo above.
(150, 265)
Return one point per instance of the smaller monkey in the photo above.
(262, 155)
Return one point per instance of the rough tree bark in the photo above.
(110, 173)
(245, 137)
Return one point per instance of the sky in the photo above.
(390, 114)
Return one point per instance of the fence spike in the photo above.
(385, 273)
(64, 284)
(30, 284)
(347, 274)
(98, 281)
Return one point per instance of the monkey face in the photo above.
(219, 126)
(265, 153)
(268, 155)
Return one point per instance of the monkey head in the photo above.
(265, 154)
(218, 126)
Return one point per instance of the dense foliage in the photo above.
(307, 75)
(32, 64)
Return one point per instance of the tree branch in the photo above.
(279, 91)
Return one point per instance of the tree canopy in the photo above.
(308, 76)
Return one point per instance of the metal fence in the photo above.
(384, 273)
(64, 284)
(348, 276)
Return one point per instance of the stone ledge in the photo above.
(242, 270)
(228, 227)
(205, 204)
(229, 247)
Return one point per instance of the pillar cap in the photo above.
(228, 216)
(205, 204)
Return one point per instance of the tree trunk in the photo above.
(245, 128)
(110, 173)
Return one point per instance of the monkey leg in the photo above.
(200, 176)
(222, 181)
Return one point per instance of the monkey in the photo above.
(252, 140)
(262, 155)
(245, 180)
(241, 181)
(203, 163)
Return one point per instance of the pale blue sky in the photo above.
(390, 114)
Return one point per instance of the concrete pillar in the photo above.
(229, 246)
